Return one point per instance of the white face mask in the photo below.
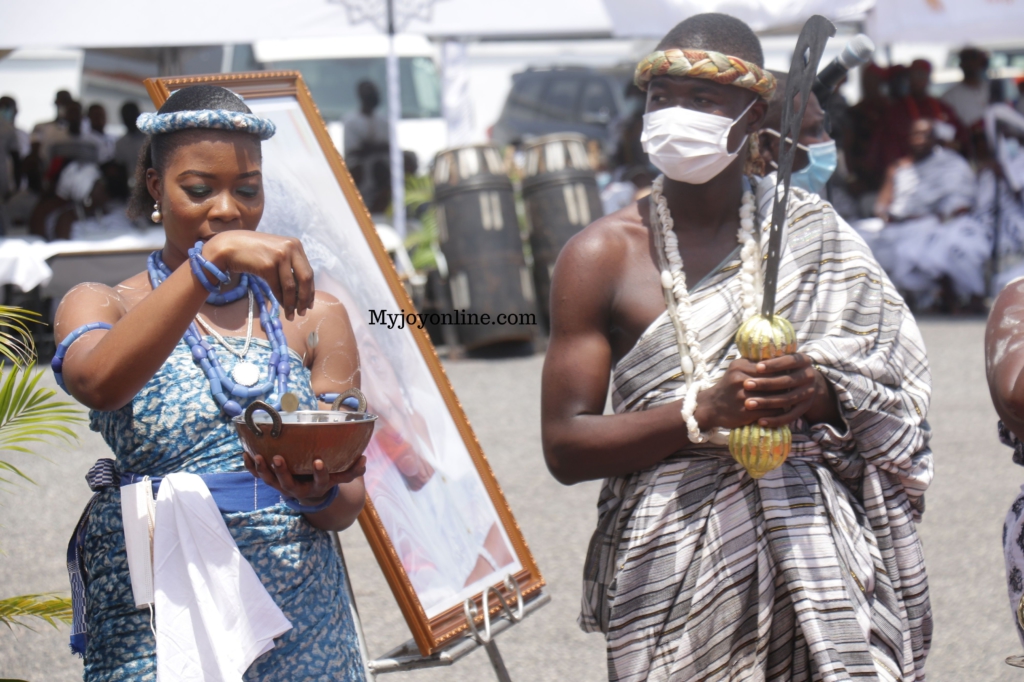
(689, 146)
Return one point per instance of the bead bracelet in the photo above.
(158, 272)
(199, 264)
(57, 364)
(350, 402)
(312, 509)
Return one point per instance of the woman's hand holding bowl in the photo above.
(308, 490)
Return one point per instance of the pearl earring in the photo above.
(156, 216)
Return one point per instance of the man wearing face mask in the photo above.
(816, 157)
(697, 571)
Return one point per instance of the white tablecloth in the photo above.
(24, 261)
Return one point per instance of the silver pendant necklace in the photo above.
(244, 372)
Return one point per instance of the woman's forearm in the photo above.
(344, 511)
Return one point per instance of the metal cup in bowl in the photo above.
(335, 437)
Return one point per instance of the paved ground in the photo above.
(975, 483)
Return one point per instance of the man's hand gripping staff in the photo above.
(768, 336)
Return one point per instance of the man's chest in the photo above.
(640, 299)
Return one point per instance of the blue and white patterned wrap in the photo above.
(216, 119)
(173, 425)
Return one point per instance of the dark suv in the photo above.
(557, 100)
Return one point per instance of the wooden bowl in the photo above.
(336, 438)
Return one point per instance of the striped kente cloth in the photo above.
(815, 572)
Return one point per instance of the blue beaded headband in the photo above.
(217, 119)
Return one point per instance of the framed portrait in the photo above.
(435, 515)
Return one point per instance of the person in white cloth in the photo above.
(245, 580)
(696, 571)
(925, 235)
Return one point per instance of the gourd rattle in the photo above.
(760, 449)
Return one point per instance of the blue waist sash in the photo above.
(232, 491)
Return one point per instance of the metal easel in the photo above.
(407, 656)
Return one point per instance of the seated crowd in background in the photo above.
(69, 177)
(913, 173)
(922, 182)
(927, 233)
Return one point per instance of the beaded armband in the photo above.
(57, 364)
(199, 264)
(293, 503)
(351, 402)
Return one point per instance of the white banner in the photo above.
(456, 97)
(962, 22)
(653, 18)
(130, 23)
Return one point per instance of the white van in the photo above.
(333, 67)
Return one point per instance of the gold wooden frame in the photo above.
(434, 633)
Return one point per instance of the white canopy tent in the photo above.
(651, 18)
(983, 22)
(130, 23)
(978, 22)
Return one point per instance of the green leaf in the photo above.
(16, 344)
(31, 416)
(50, 607)
(423, 243)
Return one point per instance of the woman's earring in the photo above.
(156, 216)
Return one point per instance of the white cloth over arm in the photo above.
(213, 615)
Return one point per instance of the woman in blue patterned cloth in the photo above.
(1004, 365)
(167, 357)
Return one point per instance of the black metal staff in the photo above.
(768, 335)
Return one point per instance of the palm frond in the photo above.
(16, 344)
(50, 607)
(30, 415)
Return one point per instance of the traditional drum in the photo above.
(561, 196)
(479, 235)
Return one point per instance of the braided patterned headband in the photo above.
(714, 66)
(216, 119)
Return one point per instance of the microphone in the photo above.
(858, 51)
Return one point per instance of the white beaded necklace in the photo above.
(677, 297)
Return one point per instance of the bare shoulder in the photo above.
(134, 289)
(607, 241)
(87, 303)
(1004, 354)
(592, 267)
(328, 307)
(1005, 323)
(328, 317)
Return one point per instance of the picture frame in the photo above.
(428, 466)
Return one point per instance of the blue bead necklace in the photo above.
(226, 392)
